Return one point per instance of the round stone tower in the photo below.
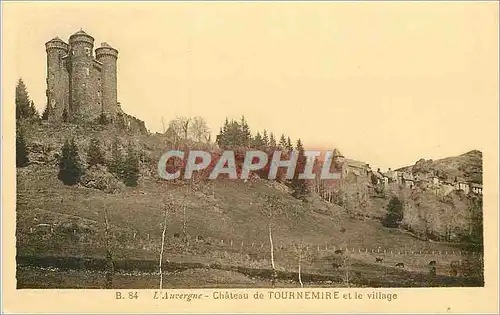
(57, 77)
(108, 56)
(82, 106)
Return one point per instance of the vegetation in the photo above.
(21, 149)
(131, 166)
(25, 108)
(394, 213)
(95, 154)
(70, 167)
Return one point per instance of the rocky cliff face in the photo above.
(467, 166)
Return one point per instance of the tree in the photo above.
(46, 112)
(131, 169)
(303, 254)
(265, 138)
(22, 159)
(289, 145)
(25, 108)
(258, 142)
(282, 145)
(246, 135)
(95, 155)
(32, 112)
(110, 270)
(272, 141)
(70, 169)
(180, 127)
(299, 186)
(272, 207)
(168, 206)
(116, 164)
(198, 129)
(394, 213)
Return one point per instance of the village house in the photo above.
(476, 188)
(461, 184)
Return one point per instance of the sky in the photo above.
(386, 83)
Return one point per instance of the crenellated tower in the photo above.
(57, 77)
(108, 56)
(83, 88)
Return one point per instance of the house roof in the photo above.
(357, 164)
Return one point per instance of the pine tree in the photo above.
(394, 213)
(265, 138)
(32, 112)
(70, 169)
(95, 155)
(246, 136)
(116, 164)
(257, 141)
(131, 170)
(272, 141)
(299, 186)
(220, 138)
(282, 145)
(289, 145)
(46, 112)
(21, 149)
(25, 108)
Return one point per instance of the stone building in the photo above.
(81, 86)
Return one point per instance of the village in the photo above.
(393, 179)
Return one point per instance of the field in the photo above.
(60, 239)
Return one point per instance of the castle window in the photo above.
(87, 71)
(84, 85)
(87, 51)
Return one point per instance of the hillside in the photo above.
(226, 221)
(467, 166)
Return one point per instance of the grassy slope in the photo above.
(235, 214)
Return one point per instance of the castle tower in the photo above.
(83, 104)
(57, 77)
(108, 56)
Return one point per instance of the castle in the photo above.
(81, 87)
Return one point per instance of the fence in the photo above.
(146, 241)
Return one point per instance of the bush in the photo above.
(70, 169)
(95, 155)
(100, 178)
(394, 214)
(21, 150)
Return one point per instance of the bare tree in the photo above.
(198, 129)
(303, 255)
(273, 206)
(347, 264)
(167, 208)
(109, 254)
(178, 127)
